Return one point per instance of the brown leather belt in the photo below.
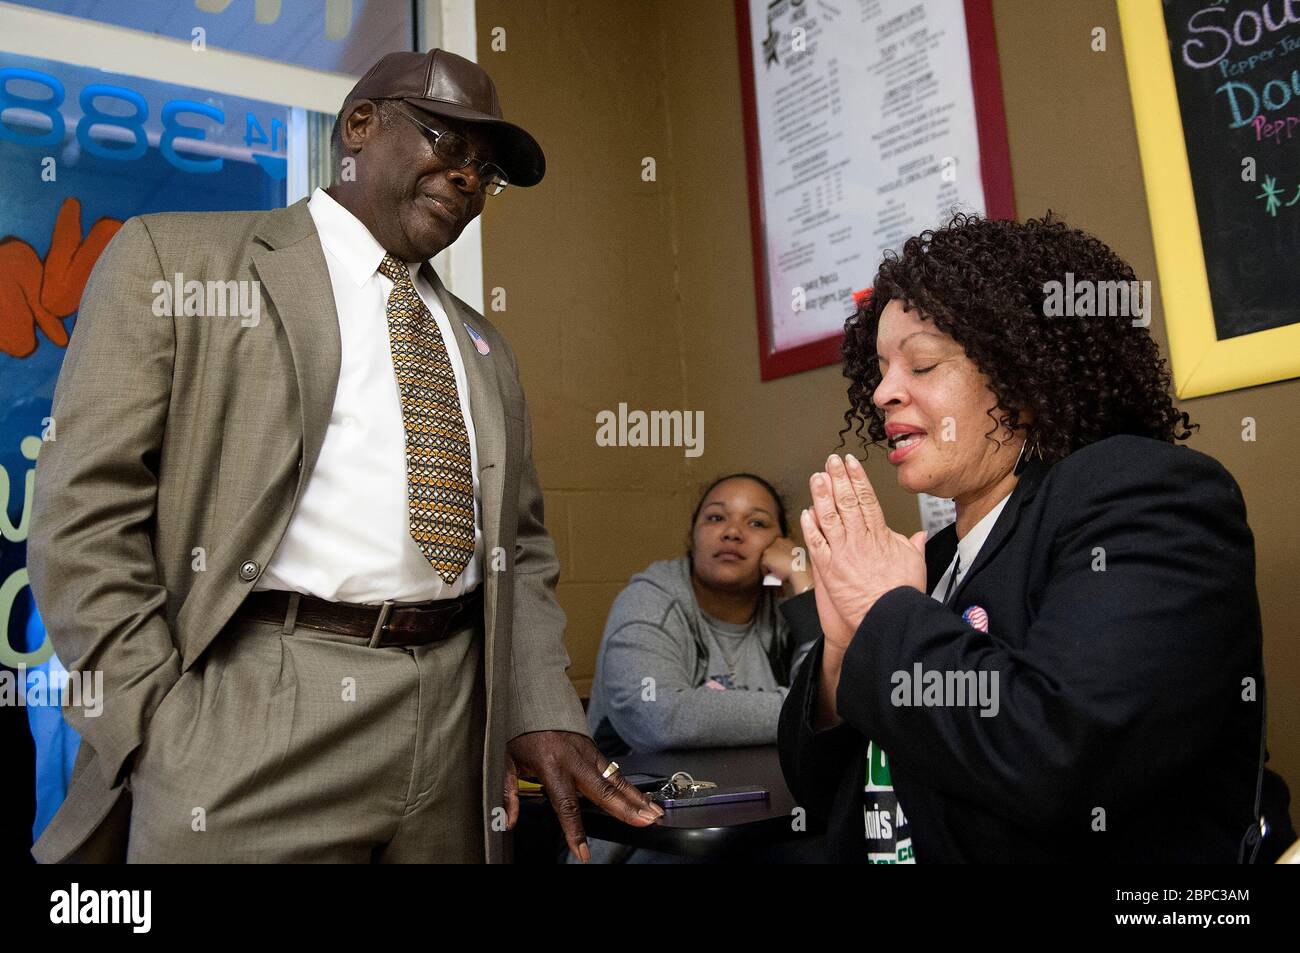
(393, 623)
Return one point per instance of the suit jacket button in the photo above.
(248, 571)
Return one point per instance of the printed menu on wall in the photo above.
(864, 117)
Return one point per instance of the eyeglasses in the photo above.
(457, 153)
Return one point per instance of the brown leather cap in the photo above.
(448, 85)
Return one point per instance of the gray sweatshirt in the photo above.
(659, 650)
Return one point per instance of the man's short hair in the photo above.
(383, 107)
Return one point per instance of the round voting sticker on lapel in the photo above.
(976, 618)
(480, 345)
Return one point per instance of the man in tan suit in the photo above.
(303, 543)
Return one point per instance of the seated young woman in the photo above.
(697, 651)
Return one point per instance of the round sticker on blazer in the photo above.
(479, 344)
(976, 618)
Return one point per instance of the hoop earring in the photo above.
(1023, 459)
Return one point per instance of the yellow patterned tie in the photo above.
(439, 478)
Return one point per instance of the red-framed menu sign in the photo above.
(866, 122)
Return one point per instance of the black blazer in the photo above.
(1120, 689)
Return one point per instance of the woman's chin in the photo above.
(729, 576)
(913, 481)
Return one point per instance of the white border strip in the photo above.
(450, 24)
(298, 142)
(65, 39)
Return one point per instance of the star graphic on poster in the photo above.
(769, 46)
(1271, 195)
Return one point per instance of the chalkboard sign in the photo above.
(1237, 72)
(1216, 100)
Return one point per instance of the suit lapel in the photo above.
(291, 267)
(1006, 523)
(938, 554)
(485, 405)
(490, 444)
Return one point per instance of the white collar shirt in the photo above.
(968, 549)
(349, 537)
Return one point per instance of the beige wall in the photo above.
(624, 290)
(589, 278)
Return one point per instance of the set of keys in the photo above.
(682, 784)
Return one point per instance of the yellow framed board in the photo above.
(1216, 100)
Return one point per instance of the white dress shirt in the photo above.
(349, 538)
(968, 548)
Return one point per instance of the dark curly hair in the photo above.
(983, 282)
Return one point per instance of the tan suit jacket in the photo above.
(184, 442)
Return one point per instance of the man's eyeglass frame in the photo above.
(492, 178)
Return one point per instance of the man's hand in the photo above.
(857, 558)
(567, 763)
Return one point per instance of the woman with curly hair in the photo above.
(1073, 671)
